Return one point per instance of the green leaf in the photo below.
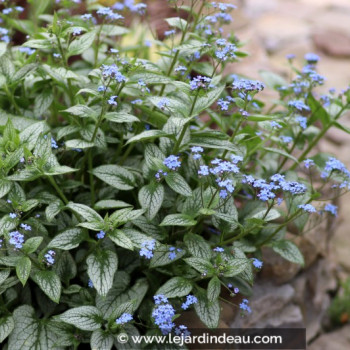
(24, 71)
(272, 80)
(112, 29)
(32, 244)
(214, 289)
(342, 127)
(68, 239)
(43, 102)
(178, 184)
(23, 268)
(100, 339)
(207, 100)
(102, 265)
(121, 117)
(177, 22)
(175, 287)
(201, 265)
(49, 283)
(212, 142)
(81, 44)
(148, 135)
(87, 318)
(288, 251)
(151, 198)
(208, 312)
(30, 135)
(111, 204)
(318, 112)
(273, 214)
(197, 246)
(281, 152)
(53, 209)
(6, 326)
(78, 144)
(38, 44)
(5, 187)
(115, 176)
(121, 239)
(81, 111)
(31, 333)
(124, 215)
(150, 77)
(236, 266)
(178, 220)
(85, 212)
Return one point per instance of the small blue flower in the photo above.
(56, 55)
(124, 318)
(172, 162)
(257, 263)
(169, 32)
(219, 249)
(16, 239)
(90, 284)
(244, 306)
(112, 101)
(13, 215)
(309, 208)
(286, 139)
(203, 170)
(190, 299)
(333, 209)
(275, 125)
(163, 314)
(101, 235)
(160, 173)
(26, 227)
(312, 57)
(147, 248)
(49, 257)
(299, 105)
(308, 163)
(26, 50)
(53, 143)
(164, 102)
(76, 31)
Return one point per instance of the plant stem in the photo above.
(58, 190)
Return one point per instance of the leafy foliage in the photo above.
(118, 199)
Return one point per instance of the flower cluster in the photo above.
(147, 248)
(124, 318)
(49, 257)
(112, 72)
(246, 85)
(201, 82)
(16, 239)
(190, 300)
(244, 306)
(163, 314)
(172, 162)
(173, 251)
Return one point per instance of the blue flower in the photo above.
(76, 31)
(102, 88)
(112, 101)
(223, 104)
(101, 235)
(172, 254)
(219, 249)
(290, 56)
(172, 162)
(16, 239)
(137, 101)
(26, 50)
(26, 227)
(112, 71)
(56, 55)
(124, 318)
(302, 121)
(312, 57)
(160, 173)
(163, 314)
(169, 32)
(49, 257)
(181, 69)
(53, 143)
(309, 208)
(196, 150)
(13, 215)
(244, 306)
(299, 105)
(90, 284)
(247, 85)
(200, 82)
(86, 16)
(275, 125)
(333, 209)
(257, 263)
(190, 299)
(286, 139)
(147, 248)
(203, 170)
(334, 164)
(164, 102)
(308, 163)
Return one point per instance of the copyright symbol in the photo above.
(122, 338)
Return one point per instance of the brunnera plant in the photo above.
(135, 188)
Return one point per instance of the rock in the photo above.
(276, 268)
(268, 302)
(337, 340)
(332, 43)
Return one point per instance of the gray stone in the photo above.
(337, 340)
